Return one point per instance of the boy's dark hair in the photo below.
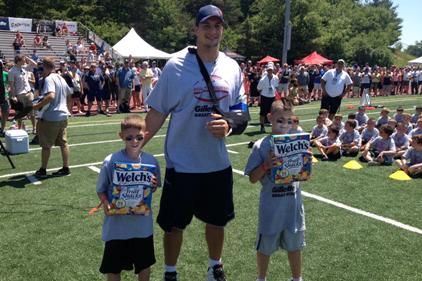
(371, 119)
(351, 116)
(385, 110)
(294, 82)
(351, 123)
(417, 139)
(323, 111)
(334, 129)
(393, 122)
(278, 106)
(387, 129)
(399, 108)
(338, 115)
(132, 122)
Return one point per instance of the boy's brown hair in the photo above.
(351, 116)
(387, 129)
(132, 122)
(278, 106)
(323, 111)
(338, 115)
(417, 139)
(385, 110)
(352, 123)
(334, 129)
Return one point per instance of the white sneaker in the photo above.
(216, 273)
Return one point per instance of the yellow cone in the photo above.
(314, 160)
(400, 176)
(353, 165)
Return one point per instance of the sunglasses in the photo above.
(138, 138)
(288, 121)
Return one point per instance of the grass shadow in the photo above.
(15, 182)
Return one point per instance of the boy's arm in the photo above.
(260, 171)
(104, 202)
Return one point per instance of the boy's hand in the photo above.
(218, 127)
(154, 183)
(270, 161)
(380, 156)
(106, 208)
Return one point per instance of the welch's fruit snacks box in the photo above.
(132, 189)
(293, 163)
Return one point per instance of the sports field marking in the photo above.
(95, 169)
(231, 151)
(355, 210)
(94, 163)
(32, 179)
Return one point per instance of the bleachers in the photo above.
(58, 46)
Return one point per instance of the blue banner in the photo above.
(4, 24)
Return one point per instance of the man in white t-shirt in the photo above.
(335, 83)
(267, 87)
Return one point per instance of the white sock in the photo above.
(261, 279)
(297, 279)
(212, 262)
(170, 268)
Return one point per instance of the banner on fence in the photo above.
(20, 24)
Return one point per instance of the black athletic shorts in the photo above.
(208, 196)
(265, 107)
(331, 104)
(126, 254)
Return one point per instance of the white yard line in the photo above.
(95, 169)
(94, 163)
(355, 210)
(233, 152)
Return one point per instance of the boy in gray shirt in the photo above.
(281, 214)
(131, 235)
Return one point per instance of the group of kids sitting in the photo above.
(281, 223)
(380, 142)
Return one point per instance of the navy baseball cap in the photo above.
(207, 12)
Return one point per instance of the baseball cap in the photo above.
(270, 66)
(207, 12)
(341, 61)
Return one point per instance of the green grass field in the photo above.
(47, 234)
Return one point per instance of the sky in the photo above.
(410, 12)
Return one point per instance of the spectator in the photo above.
(37, 41)
(65, 29)
(45, 42)
(35, 56)
(124, 81)
(4, 103)
(93, 48)
(18, 43)
(146, 75)
(267, 87)
(51, 127)
(94, 83)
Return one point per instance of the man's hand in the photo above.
(218, 127)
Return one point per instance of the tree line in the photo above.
(359, 31)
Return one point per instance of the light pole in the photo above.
(287, 31)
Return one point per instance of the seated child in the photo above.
(352, 116)
(401, 140)
(281, 223)
(383, 119)
(293, 98)
(412, 163)
(382, 149)
(407, 118)
(417, 115)
(319, 130)
(369, 133)
(296, 129)
(130, 236)
(338, 123)
(417, 130)
(325, 113)
(362, 118)
(350, 139)
(392, 123)
(329, 146)
(399, 114)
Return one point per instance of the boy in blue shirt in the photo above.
(128, 238)
(329, 146)
(350, 139)
(382, 149)
(412, 158)
(281, 215)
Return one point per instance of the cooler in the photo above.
(17, 141)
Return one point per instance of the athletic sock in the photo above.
(170, 268)
(213, 263)
(261, 279)
(297, 279)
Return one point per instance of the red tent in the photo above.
(268, 59)
(315, 58)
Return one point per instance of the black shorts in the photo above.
(331, 104)
(137, 88)
(265, 107)
(125, 254)
(94, 95)
(334, 156)
(208, 196)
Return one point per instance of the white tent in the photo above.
(416, 61)
(133, 44)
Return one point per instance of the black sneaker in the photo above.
(216, 273)
(35, 140)
(62, 172)
(170, 276)
(262, 131)
(41, 173)
(88, 113)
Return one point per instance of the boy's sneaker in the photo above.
(373, 163)
(170, 276)
(41, 173)
(62, 172)
(216, 273)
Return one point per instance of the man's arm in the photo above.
(153, 121)
(324, 91)
(48, 98)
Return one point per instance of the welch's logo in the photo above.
(132, 177)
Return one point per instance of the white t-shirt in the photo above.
(268, 87)
(336, 82)
(57, 110)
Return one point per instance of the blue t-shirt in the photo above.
(368, 135)
(380, 144)
(400, 140)
(182, 92)
(413, 156)
(382, 120)
(319, 131)
(126, 76)
(347, 138)
(414, 132)
(123, 227)
(94, 81)
(280, 208)
(362, 118)
(326, 141)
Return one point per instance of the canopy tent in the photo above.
(314, 58)
(268, 59)
(416, 61)
(133, 44)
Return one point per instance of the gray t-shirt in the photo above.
(326, 141)
(400, 140)
(347, 138)
(319, 131)
(413, 156)
(182, 91)
(280, 208)
(380, 144)
(368, 135)
(362, 118)
(414, 132)
(57, 110)
(122, 227)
